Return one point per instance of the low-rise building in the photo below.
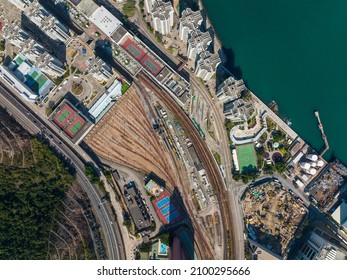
(26, 79)
(106, 101)
(207, 65)
(105, 21)
(189, 22)
(100, 70)
(197, 43)
(162, 16)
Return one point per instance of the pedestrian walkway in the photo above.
(286, 128)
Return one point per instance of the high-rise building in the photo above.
(189, 22)
(162, 16)
(230, 89)
(198, 42)
(149, 5)
(207, 65)
(49, 24)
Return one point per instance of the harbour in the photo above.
(281, 56)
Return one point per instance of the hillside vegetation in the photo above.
(44, 214)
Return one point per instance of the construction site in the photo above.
(272, 216)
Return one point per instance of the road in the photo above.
(102, 211)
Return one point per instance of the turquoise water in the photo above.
(293, 52)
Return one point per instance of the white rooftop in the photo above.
(340, 214)
(105, 21)
(106, 101)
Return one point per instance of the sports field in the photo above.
(133, 50)
(75, 126)
(41, 80)
(62, 117)
(246, 156)
(151, 65)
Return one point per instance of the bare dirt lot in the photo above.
(272, 216)
(125, 136)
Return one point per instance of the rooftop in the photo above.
(87, 7)
(106, 101)
(230, 88)
(208, 61)
(162, 10)
(105, 21)
(190, 19)
(199, 39)
(340, 214)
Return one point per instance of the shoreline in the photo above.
(218, 47)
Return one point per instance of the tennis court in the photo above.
(63, 116)
(163, 202)
(167, 209)
(41, 80)
(172, 216)
(134, 50)
(246, 156)
(151, 65)
(75, 126)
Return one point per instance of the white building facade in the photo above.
(189, 22)
(162, 17)
(207, 65)
(198, 42)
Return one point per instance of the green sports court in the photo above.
(246, 156)
(76, 127)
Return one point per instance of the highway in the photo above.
(102, 211)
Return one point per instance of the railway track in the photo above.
(207, 161)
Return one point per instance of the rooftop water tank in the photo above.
(313, 171)
(312, 157)
(305, 165)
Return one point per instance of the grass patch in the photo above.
(217, 157)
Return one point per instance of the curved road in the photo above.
(102, 211)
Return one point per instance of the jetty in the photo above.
(320, 126)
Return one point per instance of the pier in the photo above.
(320, 126)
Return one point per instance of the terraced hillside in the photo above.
(44, 213)
(15, 143)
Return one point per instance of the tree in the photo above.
(246, 95)
(129, 8)
(2, 45)
(280, 167)
(92, 174)
(268, 169)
